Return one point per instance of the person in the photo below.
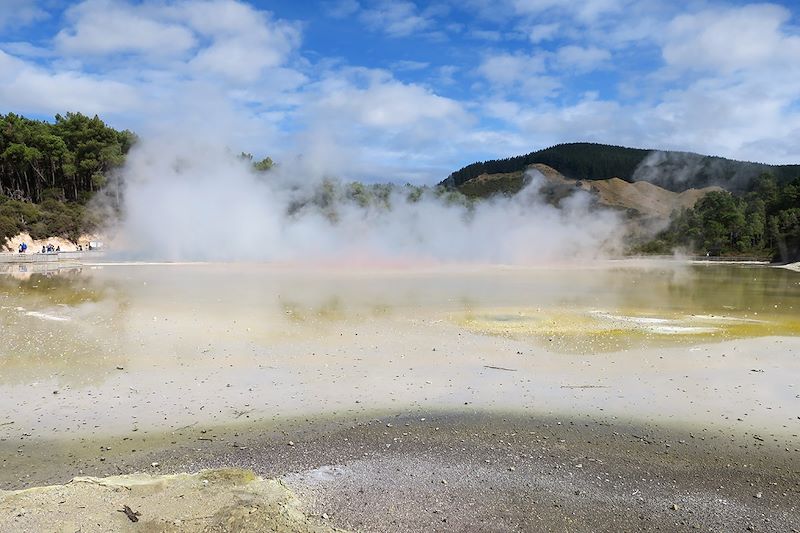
(44, 250)
(80, 247)
(58, 248)
(20, 247)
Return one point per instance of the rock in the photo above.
(674, 507)
(758, 495)
(291, 443)
(154, 464)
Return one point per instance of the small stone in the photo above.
(291, 443)
(674, 507)
(325, 516)
(758, 495)
(155, 464)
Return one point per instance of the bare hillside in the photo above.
(644, 198)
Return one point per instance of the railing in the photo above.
(54, 257)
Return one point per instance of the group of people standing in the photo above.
(46, 249)
(49, 249)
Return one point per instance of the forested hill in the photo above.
(68, 158)
(48, 171)
(676, 171)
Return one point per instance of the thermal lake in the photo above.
(117, 348)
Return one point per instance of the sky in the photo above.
(410, 91)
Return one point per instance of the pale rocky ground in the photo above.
(213, 500)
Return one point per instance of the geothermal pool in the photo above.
(118, 348)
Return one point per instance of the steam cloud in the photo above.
(678, 170)
(197, 202)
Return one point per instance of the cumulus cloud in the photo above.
(376, 123)
(102, 27)
(27, 88)
(225, 37)
(727, 40)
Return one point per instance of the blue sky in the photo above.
(409, 91)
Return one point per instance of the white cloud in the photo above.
(724, 81)
(28, 88)
(486, 35)
(342, 8)
(244, 40)
(103, 27)
(521, 73)
(509, 69)
(396, 18)
(586, 10)
(725, 40)
(543, 32)
(214, 37)
(376, 100)
(582, 58)
(20, 13)
(408, 65)
(365, 123)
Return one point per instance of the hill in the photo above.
(640, 198)
(674, 171)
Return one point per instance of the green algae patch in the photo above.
(213, 500)
(593, 331)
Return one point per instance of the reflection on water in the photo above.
(77, 326)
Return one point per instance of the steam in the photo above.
(678, 171)
(199, 202)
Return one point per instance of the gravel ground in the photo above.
(489, 472)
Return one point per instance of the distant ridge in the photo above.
(674, 171)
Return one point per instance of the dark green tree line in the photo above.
(593, 161)
(764, 222)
